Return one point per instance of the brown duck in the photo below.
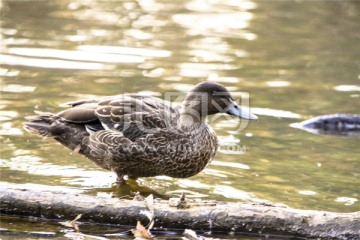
(142, 136)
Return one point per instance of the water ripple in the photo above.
(51, 63)
(75, 55)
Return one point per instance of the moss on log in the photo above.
(211, 215)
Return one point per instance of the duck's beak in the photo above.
(234, 109)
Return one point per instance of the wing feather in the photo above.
(133, 115)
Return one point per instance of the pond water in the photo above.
(295, 59)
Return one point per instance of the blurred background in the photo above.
(296, 59)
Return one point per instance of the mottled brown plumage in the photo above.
(141, 136)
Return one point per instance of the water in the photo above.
(296, 59)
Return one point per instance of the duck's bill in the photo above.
(240, 112)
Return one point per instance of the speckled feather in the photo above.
(134, 135)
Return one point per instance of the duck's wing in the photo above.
(105, 145)
(133, 115)
(82, 111)
(113, 151)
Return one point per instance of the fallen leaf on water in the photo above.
(141, 232)
(72, 223)
(66, 224)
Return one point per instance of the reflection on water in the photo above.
(347, 88)
(75, 55)
(294, 58)
(50, 63)
(126, 51)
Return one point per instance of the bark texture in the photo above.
(204, 215)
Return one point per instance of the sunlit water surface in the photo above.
(296, 60)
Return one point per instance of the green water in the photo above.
(296, 59)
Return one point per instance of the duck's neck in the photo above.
(191, 120)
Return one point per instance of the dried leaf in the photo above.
(149, 201)
(180, 203)
(66, 224)
(72, 223)
(190, 234)
(150, 204)
(140, 232)
(77, 218)
(151, 224)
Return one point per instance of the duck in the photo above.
(135, 135)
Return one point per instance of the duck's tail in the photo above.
(40, 124)
(51, 125)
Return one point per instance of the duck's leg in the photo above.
(120, 179)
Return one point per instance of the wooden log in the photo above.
(198, 215)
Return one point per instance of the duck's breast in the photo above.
(189, 154)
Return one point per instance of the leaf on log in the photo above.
(141, 232)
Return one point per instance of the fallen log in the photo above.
(198, 215)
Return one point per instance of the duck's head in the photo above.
(209, 98)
